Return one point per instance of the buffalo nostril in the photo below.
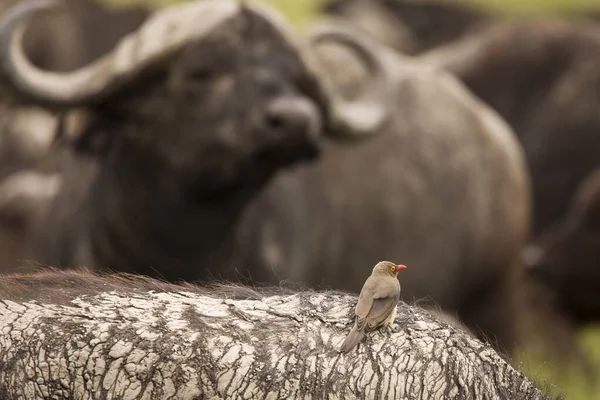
(294, 116)
(275, 121)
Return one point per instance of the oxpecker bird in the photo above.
(377, 302)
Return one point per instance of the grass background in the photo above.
(560, 378)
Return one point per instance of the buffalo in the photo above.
(562, 267)
(565, 257)
(228, 341)
(523, 69)
(81, 31)
(542, 77)
(215, 143)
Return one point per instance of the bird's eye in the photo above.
(393, 268)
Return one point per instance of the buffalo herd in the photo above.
(211, 140)
(542, 76)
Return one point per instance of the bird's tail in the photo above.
(353, 338)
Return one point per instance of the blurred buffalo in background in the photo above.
(542, 75)
(215, 143)
(78, 32)
(566, 257)
(544, 78)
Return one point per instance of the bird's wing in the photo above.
(375, 298)
(386, 287)
(365, 301)
(380, 311)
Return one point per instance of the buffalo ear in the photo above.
(24, 196)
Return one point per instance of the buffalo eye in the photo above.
(202, 74)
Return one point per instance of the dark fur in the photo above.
(58, 286)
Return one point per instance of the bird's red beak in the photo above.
(400, 267)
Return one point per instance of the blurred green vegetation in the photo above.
(559, 378)
(301, 10)
(568, 380)
(533, 7)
